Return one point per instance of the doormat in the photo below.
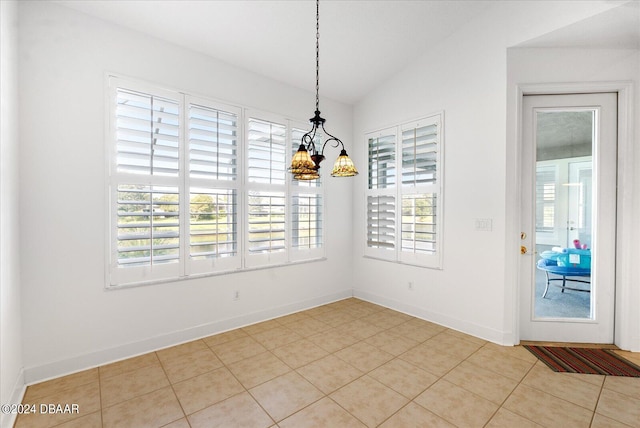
(584, 360)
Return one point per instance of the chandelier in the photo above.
(306, 161)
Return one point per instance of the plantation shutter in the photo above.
(146, 239)
(148, 225)
(266, 222)
(184, 171)
(404, 213)
(382, 161)
(267, 153)
(381, 222)
(147, 134)
(382, 195)
(546, 182)
(419, 155)
(213, 187)
(306, 221)
(419, 223)
(420, 191)
(212, 143)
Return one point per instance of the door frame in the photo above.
(626, 322)
(597, 326)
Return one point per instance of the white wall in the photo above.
(466, 77)
(11, 376)
(70, 321)
(608, 67)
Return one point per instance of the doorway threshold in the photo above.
(570, 345)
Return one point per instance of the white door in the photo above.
(568, 176)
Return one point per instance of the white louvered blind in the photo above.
(382, 194)
(148, 222)
(266, 212)
(420, 191)
(147, 134)
(382, 161)
(213, 223)
(404, 214)
(185, 171)
(546, 182)
(381, 222)
(306, 221)
(419, 155)
(212, 143)
(213, 186)
(419, 223)
(267, 151)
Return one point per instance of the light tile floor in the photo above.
(346, 364)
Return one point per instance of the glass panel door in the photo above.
(564, 164)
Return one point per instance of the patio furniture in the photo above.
(559, 264)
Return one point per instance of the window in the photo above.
(546, 198)
(404, 195)
(178, 190)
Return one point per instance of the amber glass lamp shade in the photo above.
(344, 166)
(310, 174)
(301, 162)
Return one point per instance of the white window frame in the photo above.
(186, 267)
(397, 191)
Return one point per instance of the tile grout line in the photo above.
(100, 395)
(184, 414)
(511, 393)
(593, 416)
(246, 390)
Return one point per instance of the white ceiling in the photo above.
(362, 42)
(617, 28)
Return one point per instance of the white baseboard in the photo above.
(19, 388)
(105, 356)
(495, 336)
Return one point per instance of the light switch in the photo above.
(483, 224)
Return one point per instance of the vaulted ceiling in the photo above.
(362, 42)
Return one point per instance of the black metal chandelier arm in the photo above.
(338, 141)
(308, 140)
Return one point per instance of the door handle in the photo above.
(523, 249)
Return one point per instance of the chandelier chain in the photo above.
(317, 54)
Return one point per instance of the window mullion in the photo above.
(398, 191)
(184, 189)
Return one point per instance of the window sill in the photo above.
(398, 262)
(210, 274)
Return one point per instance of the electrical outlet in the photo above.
(236, 295)
(410, 285)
